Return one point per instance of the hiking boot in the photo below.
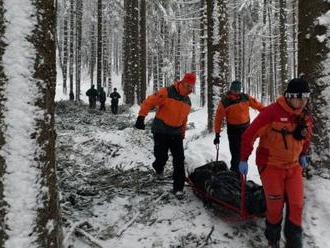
(179, 195)
(159, 174)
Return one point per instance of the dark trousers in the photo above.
(174, 143)
(234, 138)
(92, 103)
(114, 108)
(102, 106)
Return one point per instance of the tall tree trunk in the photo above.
(134, 59)
(65, 51)
(177, 63)
(235, 43)
(271, 53)
(71, 52)
(109, 65)
(3, 84)
(217, 54)
(130, 50)
(263, 56)
(161, 53)
(239, 47)
(45, 64)
(32, 161)
(243, 38)
(294, 37)
(313, 62)
(99, 45)
(79, 12)
(202, 75)
(142, 87)
(193, 56)
(283, 45)
(155, 72)
(93, 52)
(105, 52)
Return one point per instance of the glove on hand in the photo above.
(303, 161)
(139, 124)
(216, 140)
(243, 167)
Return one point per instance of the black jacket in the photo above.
(115, 97)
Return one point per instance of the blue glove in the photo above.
(303, 161)
(243, 167)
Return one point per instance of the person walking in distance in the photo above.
(92, 97)
(169, 125)
(114, 101)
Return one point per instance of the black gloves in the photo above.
(216, 140)
(139, 124)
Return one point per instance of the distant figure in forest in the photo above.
(102, 99)
(92, 96)
(114, 101)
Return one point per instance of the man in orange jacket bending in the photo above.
(284, 128)
(169, 126)
(235, 107)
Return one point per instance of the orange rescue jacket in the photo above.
(235, 107)
(172, 110)
(275, 126)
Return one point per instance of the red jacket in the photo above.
(274, 126)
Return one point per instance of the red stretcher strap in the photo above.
(243, 213)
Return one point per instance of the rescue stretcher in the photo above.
(241, 211)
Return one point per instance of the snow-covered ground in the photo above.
(110, 198)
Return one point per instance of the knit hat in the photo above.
(235, 86)
(297, 88)
(189, 78)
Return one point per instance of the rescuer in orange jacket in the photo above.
(173, 106)
(235, 107)
(284, 129)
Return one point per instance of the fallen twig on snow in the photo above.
(123, 229)
(72, 229)
(207, 238)
(90, 238)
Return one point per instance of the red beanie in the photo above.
(189, 78)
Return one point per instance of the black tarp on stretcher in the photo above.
(215, 179)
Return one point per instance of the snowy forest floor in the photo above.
(110, 198)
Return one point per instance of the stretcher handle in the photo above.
(243, 212)
(217, 148)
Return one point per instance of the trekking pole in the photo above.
(243, 212)
(217, 147)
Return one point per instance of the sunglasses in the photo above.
(303, 95)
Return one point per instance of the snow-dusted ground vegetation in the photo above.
(110, 197)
